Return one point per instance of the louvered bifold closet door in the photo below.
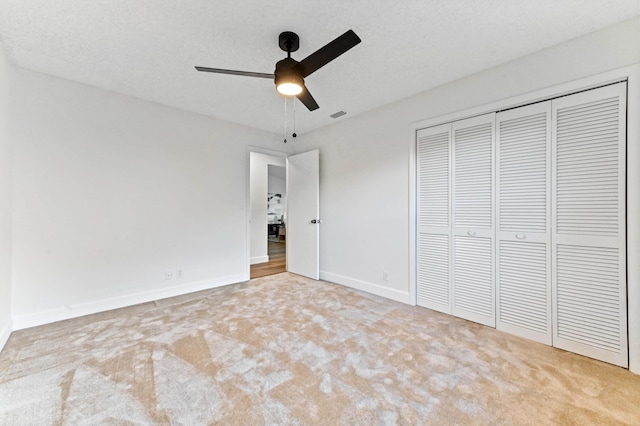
(589, 258)
(434, 223)
(473, 217)
(523, 269)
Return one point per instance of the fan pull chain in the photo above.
(294, 117)
(285, 119)
(294, 134)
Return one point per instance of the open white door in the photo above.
(303, 209)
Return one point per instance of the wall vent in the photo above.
(337, 114)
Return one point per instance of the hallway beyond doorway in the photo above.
(277, 260)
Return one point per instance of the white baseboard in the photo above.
(5, 332)
(82, 309)
(378, 290)
(259, 259)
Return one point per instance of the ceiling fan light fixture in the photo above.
(289, 89)
(289, 85)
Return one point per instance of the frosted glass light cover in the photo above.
(289, 89)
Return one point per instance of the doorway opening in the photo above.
(298, 226)
(276, 224)
(268, 195)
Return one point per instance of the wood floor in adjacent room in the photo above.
(288, 350)
(277, 251)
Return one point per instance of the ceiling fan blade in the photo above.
(328, 53)
(306, 98)
(234, 72)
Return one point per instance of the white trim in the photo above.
(632, 75)
(82, 309)
(413, 217)
(531, 97)
(267, 151)
(633, 216)
(378, 290)
(259, 259)
(5, 333)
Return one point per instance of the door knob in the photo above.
(316, 221)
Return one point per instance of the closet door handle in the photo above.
(471, 233)
(521, 236)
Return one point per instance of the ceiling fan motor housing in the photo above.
(286, 72)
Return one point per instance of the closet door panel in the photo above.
(523, 149)
(588, 313)
(589, 247)
(434, 272)
(524, 296)
(473, 271)
(473, 218)
(434, 224)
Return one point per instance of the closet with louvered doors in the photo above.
(558, 170)
(523, 151)
(588, 221)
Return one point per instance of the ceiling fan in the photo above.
(289, 74)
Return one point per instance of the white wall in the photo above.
(258, 192)
(365, 198)
(109, 192)
(5, 204)
(277, 181)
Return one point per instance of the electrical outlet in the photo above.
(168, 275)
(385, 275)
(178, 273)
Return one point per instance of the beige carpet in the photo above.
(287, 350)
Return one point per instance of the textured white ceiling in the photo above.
(148, 48)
